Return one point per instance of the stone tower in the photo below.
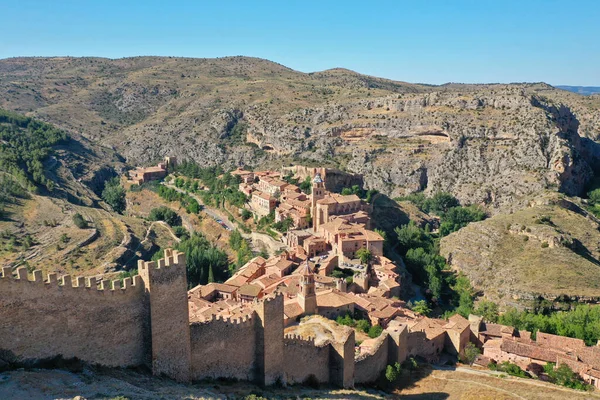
(269, 341)
(307, 297)
(341, 285)
(165, 283)
(317, 193)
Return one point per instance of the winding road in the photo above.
(257, 238)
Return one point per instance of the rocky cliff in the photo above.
(490, 144)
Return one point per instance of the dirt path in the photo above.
(494, 374)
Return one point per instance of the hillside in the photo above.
(550, 249)
(46, 178)
(492, 144)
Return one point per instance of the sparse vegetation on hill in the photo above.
(549, 250)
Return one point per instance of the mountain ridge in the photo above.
(402, 137)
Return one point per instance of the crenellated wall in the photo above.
(166, 288)
(369, 366)
(224, 348)
(42, 319)
(146, 322)
(303, 358)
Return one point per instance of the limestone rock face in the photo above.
(495, 145)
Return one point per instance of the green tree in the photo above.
(306, 185)
(375, 331)
(411, 236)
(114, 195)
(246, 215)
(211, 274)
(392, 372)
(165, 214)
(470, 354)
(364, 255)
(488, 310)
(441, 202)
(594, 196)
(363, 325)
(421, 307)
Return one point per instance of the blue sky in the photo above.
(416, 41)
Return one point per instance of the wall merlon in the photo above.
(116, 284)
(22, 273)
(52, 278)
(6, 272)
(66, 281)
(38, 276)
(103, 284)
(137, 281)
(80, 282)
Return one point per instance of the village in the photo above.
(334, 266)
(323, 306)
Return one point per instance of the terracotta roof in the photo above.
(559, 342)
(265, 196)
(457, 322)
(237, 280)
(495, 329)
(533, 351)
(351, 198)
(209, 289)
(250, 290)
(292, 309)
(330, 298)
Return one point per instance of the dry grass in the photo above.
(513, 263)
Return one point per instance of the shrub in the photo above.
(246, 215)
(392, 372)
(470, 354)
(165, 214)
(375, 331)
(79, 221)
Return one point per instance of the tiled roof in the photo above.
(330, 298)
(250, 290)
(292, 309)
(533, 351)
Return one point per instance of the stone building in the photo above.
(263, 203)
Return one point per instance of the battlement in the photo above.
(164, 270)
(291, 339)
(245, 320)
(67, 282)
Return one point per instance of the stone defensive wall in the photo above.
(224, 348)
(305, 360)
(105, 324)
(146, 321)
(370, 365)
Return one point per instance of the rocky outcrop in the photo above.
(495, 145)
